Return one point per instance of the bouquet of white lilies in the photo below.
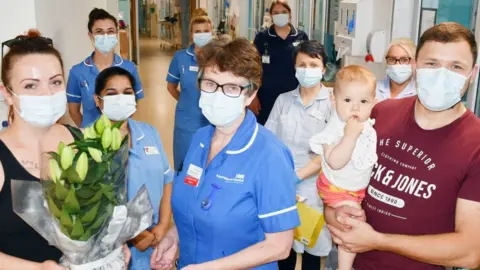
(81, 206)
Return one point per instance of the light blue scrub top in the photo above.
(81, 86)
(295, 123)
(383, 90)
(253, 185)
(147, 165)
(188, 115)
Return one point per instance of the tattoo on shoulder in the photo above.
(30, 165)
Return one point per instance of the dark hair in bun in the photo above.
(30, 43)
(99, 14)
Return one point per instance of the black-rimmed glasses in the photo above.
(230, 90)
(401, 60)
(24, 39)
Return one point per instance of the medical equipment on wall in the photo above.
(362, 33)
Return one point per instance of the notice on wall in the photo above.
(427, 19)
(333, 11)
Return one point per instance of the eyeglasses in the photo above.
(24, 39)
(230, 90)
(394, 61)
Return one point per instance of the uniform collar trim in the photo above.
(117, 60)
(135, 130)
(190, 50)
(244, 137)
(324, 92)
(293, 31)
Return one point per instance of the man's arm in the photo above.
(75, 114)
(460, 248)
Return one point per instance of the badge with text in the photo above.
(295, 44)
(151, 150)
(194, 68)
(266, 59)
(194, 173)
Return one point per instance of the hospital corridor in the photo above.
(240, 134)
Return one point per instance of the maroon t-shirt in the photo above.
(418, 178)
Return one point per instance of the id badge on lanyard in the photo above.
(265, 56)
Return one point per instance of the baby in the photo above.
(347, 145)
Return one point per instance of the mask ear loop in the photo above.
(13, 105)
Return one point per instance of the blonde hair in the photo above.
(355, 73)
(200, 20)
(406, 44)
(199, 12)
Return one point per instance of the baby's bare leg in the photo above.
(345, 258)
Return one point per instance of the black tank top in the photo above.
(17, 238)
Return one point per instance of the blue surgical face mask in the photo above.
(399, 73)
(105, 43)
(281, 20)
(309, 77)
(202, 39)
(439, 88)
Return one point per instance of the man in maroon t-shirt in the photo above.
(423, 202)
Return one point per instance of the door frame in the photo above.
(134, 32)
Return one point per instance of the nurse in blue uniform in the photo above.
(276, 45)
(183, 70)
(147, 161)
(103, 31)
(400, 81)
(233, 200)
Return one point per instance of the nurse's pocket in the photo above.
(311, 224)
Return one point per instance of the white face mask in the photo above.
(439, 88)
(281, 20)
(105, 43)
(119, 107)
(221, 110)
(399, 73)
(309, 77)
(42, 111)
(202, 39)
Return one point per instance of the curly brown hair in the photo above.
(239, 57)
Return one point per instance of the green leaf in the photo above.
(64, 230)
(93, 143)
(65, 219)
(118, 124)
(96, 198)
(76, 132)
(61, 191)
(77, 231)
(85, 192)
(53, 207)
(55, 156)
(96, 172)
(71, 202)
(91, 214)
(72, 176)
(99, 222)
(86, 235)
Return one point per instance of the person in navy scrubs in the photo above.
(147, 162)
(233, 200)
(276, 45)
(183, 70)
(103, 32)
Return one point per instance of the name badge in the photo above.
(295, 44)
(194, 68)
(193, 175)
(266, 59)
(151, 150)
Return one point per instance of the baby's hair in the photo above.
(355, 73)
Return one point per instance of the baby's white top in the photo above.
(356, 174)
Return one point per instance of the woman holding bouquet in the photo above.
(34, 88)
(147, 164)
(233, 200)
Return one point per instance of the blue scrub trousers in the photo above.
(181, 142)
(140, 260)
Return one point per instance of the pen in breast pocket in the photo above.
(183, 69)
